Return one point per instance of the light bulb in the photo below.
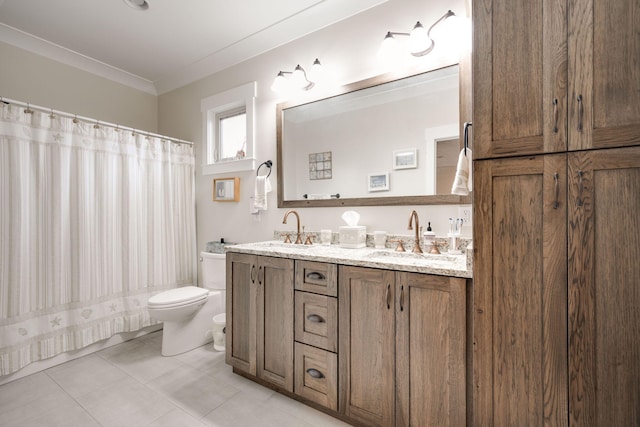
(389, 53)
(419, 41)
(280, 83)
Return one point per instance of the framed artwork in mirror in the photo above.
(378, 182)
(226, 189)
(405, 159)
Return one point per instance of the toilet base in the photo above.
(185, 335)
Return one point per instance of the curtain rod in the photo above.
(29, 106)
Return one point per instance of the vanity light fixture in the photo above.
(296, 79)
(420, 40)
(137, 4)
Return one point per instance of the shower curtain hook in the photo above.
(97, 125)
(28, 110)
(75, 119)
(52, 116)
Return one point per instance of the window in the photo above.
(228, 130)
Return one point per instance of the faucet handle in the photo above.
(400, 247)
(287, 238)
(308, 240)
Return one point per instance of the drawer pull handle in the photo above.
(315, 373)
(315, 318)
(314, 275)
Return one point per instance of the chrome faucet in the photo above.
(299, 235)
(416, 246)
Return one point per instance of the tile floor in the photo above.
(131, 384)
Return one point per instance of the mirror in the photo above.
(379, 142)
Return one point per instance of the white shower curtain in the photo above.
(93, 220)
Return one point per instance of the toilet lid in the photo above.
(182, 295)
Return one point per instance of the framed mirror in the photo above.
(378, 142)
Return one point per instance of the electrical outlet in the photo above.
(466, 213)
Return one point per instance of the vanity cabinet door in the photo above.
(274, 328)
(260, 317)
(519, 77)
(242, 276)
(520, 292)
(430, 350)
(367, 345)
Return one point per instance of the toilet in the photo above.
(187, 312)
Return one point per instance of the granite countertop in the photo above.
(445, 264)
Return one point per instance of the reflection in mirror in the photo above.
(404, 130)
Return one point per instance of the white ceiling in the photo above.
(173, 43)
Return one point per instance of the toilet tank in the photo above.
(213, 270)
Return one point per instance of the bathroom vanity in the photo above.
(372, 336)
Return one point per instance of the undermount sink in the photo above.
(272, 244)
(404, 255)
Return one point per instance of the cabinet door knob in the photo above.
(402, 298)
(314, 275)
(315, 318)
(315, 373)
(253, 274)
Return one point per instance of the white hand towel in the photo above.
(267, 185)
(463, 182)
(260, 194)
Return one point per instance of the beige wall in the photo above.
(347, 49)
(31, 78)
(348, 52)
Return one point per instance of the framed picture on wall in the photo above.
(405, 159)
(378, 182)
(226, 189)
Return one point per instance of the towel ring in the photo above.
(466, 136)
(268, 164)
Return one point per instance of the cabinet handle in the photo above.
(388, 296)
(580, 187)
(556, 180)
(555, 115)
(315, 318)
(260, 276)
(580, 113)
(253, 274)
(314, 275)
(402, 298)
(315, 373)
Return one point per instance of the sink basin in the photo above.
(412, 255)
(273, 244)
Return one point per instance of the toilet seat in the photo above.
(178, 297)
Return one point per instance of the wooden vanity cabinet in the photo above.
(402, 347)
(554, 75)
(260, 303)
(316, 332)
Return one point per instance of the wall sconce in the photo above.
(296, 79)
(420, 41)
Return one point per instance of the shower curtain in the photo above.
(93, 221)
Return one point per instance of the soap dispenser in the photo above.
(429, 236)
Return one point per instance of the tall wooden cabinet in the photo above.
(402, 354)
(555, 75)
(261, 300)
(556, 195)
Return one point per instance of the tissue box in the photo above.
(353, 236)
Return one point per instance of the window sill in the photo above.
(245, 164)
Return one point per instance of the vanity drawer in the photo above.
(316, 375)
(317, 277)
(316, 320)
